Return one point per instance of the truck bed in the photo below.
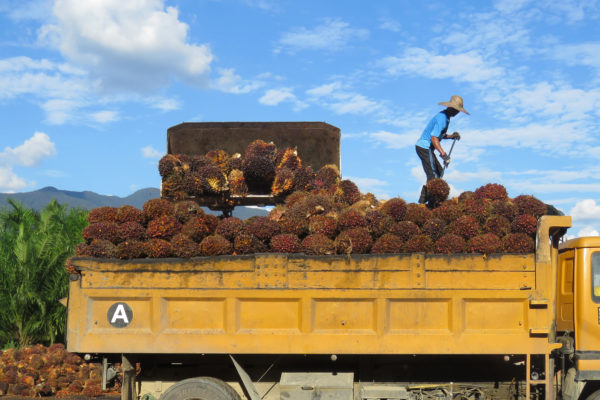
(297, 304)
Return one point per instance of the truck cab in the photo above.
(578, 312)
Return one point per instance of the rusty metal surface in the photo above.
(318, 143)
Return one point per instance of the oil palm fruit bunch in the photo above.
(387, 243)
(286, 243)
(215, 245)
(318, 244)
(419, 244)
(491, 191)
(437, 191)
(486, 243)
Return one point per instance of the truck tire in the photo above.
(594, 396)
(201, 388)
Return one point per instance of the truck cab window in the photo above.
(596, 277)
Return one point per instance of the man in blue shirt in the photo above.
(430, 140)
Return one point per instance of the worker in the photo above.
(430, 141)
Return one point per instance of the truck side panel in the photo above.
(272, 303)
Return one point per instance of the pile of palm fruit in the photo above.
(262, 170)
(321, 214)
(48, 371)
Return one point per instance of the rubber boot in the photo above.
(423, 196)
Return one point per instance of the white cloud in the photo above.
(510, 6)
(332, 35)
(136, 45)
(230, 82)
(105, 116)
(31, 152)
(337, 98)
(9, 181)
(164, 104)
(389, 24)
(588, 231)
(151, 152)
(368, 184)
(464, 67)
(586, 211)
(273, 97)
(395, 140)
(587, 54)
(324, 90)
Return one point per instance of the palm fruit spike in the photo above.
(354, 241)
(387, 243)
(418, 244)
(229, 227)
(530, 205)
(378, 223)
(220, 158)
(498, 225)
(304, 178)
(130, 249)
(235, 162)
(102, 230)
(405, 229)
(491, 191)
(286, 243)
(157, 248)
(348, 192)
(289, 159)
(212, 179)
(183, 246)
(351, 219)
(245, 243)
(327, 176)
(128, 213)
(465, 226)
(259, 173)
(237, 183)
(167, 164)
(163, 227)
(154, 208)
(283, 183)
(487, 243)
(262, 228)
(260, 148)
(215, 245)
(417, 213)
(518, 243)
(102, 214)
(323, 224)
(437, 191)
(524, 223)
(186, 210)
(318, 244)
(450, 243)
(434, 227)
(395, 208)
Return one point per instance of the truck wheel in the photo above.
(594, 396)
(202, 388)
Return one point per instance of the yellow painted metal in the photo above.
(565, 292)
(297, 304)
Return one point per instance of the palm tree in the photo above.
(33, 249)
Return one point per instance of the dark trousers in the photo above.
(431, 165)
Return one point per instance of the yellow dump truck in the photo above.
(347, 327)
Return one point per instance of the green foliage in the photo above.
(33, 249)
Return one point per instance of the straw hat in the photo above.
(455, 102)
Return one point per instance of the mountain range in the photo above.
(38, 199)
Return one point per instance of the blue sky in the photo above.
(89, 88)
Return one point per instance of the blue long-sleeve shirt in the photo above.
(436, 127)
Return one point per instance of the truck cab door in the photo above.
(587, 313)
